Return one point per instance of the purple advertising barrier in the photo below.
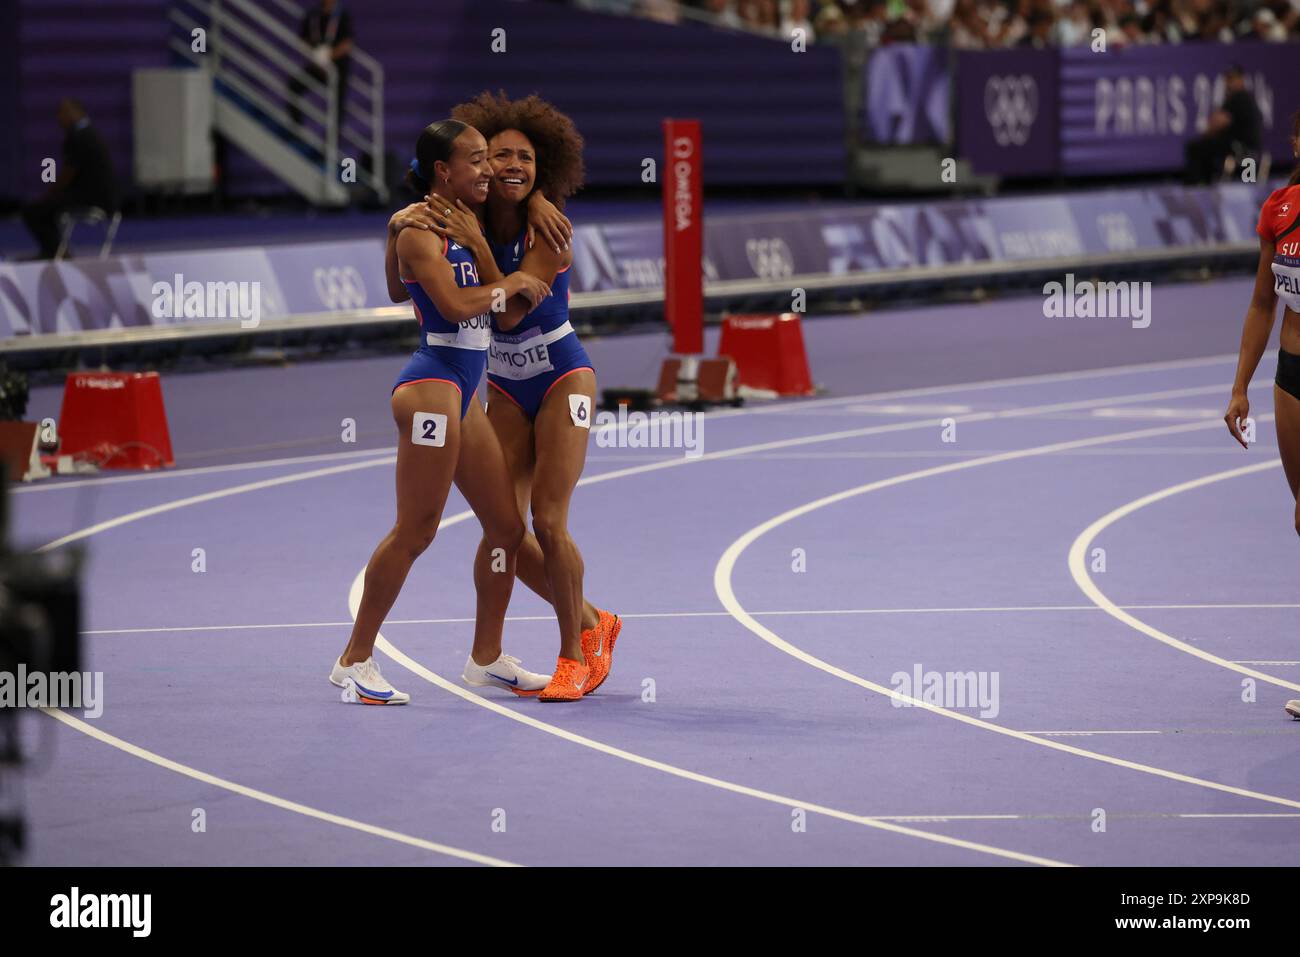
(907, 95)
(204, 288)
(1133, 109)
(1007, 111)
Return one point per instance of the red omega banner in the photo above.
(683, 236)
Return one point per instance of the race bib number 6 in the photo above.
(429, 428)
(580, 410)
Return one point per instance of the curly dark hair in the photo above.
(553, 135)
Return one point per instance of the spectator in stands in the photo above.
(1075, 28)
(830, 22)
(867, 17)
(85, 179)
(663, 11)
(327, 29)
(968, 30)
(1039, 36)
(724, 13)
(1265, 26)
(1235, 127)
(990, 24)
(1130, 28)
(798, 16)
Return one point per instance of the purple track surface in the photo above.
(770, 685)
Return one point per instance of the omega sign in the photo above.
(683, 149)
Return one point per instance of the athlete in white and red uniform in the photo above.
(1278, 278)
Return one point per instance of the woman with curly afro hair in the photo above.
(542, 384)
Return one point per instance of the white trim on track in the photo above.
(1079, 570)
(722, 577)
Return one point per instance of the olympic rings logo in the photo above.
(1011, 105)
(769, 258)
(339, 287)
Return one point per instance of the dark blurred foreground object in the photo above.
(40, 631)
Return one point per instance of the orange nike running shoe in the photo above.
(568, 683)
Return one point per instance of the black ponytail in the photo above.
(435, 143)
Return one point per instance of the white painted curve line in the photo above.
(775, 407)
(212, 496)
(271, 799)
(927, 423)
(202, 470)
(634, 615)
(433, 678)
(1079, 570)
(722, 574)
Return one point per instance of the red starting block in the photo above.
(768, 352)
(20, 453)
(116, 420)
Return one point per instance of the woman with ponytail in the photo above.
(442, 434)
(1278, 277)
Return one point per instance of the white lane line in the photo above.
(1252, 732)
(1049, 734)
(942, 818)
(270, 799)
(1016, 413)
(211, 497)
(726, 594)
(772, 408)
(413, 666)
(1161, 452)
(1079, 570)
(999, 609)
(202, 470)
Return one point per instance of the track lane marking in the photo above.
(1079, 571)
(271, 799)
(726, 594)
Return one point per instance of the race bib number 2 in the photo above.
(580, 410)
(429, 428)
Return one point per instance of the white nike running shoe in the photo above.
(363, 683)
(507, 673)
(1293, 708)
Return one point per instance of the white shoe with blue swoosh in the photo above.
(505, 672)
(362, 683)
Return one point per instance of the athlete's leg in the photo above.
(560, 440)
(516, 434)
(424, 475)
(482, 478)
(1286, 409)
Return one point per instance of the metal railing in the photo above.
(255, 55)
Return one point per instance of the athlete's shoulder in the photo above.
(1279, 210)
(424, 242)
(1287, 195)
